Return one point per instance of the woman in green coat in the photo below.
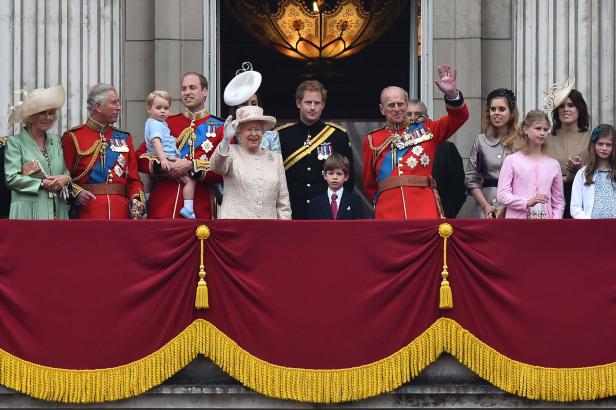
(34, 165)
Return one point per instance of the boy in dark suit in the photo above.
(337, 202)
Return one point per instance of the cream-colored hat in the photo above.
(254, 113)
(557, 93)
(39, 100)
(243, 86)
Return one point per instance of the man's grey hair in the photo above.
(393, 87)
(415, 101)
(97, 94)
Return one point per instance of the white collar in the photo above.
(338, 192)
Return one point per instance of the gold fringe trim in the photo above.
(308, 385)
(532, 382)
(97, 385)
(323, 386)
(201, 337)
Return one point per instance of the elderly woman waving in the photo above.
(254, 178)
(34, 165)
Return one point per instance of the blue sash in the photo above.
(387, 164)
(201, 134)
(99, 174)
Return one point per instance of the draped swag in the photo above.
(313, 311)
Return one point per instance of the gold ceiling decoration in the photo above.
(316, 30)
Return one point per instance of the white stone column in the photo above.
(76, 43)
(457, 40)
(211, 46)
(426, 69)
(556, 37)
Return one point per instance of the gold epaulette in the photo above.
(378, 129)
(337, 126)
(78, 127)
(283, 126)
(80, 152)
(151, 157)
(2, 140)
(377, 150)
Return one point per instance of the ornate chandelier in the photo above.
(316, 30)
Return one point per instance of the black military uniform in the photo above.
(5, 193)
(448, 172)
(304, 148)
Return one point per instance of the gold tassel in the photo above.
(201, 299)
(446, 298)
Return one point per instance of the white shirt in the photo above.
(338, 192)
(582, 196)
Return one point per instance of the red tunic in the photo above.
(166, 198)
(82, 153)
(381, 162)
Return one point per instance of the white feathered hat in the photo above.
(39, 100)
(243, 86)
(558, 93)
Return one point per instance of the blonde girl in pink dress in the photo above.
(530, 183)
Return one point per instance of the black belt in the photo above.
(490, 183)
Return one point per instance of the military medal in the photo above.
(211, 131)
(324, 150)
(411, 137)
(118, 145)
(207, 146)
(118, 170)
(307, 142)
(121, 160)
(424, 160)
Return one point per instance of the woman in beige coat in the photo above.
(501, 125)
(255, 186)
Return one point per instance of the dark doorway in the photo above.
(354, 84)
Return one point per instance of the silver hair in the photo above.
(97, 94)
(393, 87)
(415, 101)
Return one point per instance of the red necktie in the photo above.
(334, 205)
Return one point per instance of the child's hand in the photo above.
(490, 211)
(165, 164)
(538, 199)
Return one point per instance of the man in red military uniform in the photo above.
(102, 161)
(197, 134)
(398, 158)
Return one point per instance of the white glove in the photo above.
(230, 129)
